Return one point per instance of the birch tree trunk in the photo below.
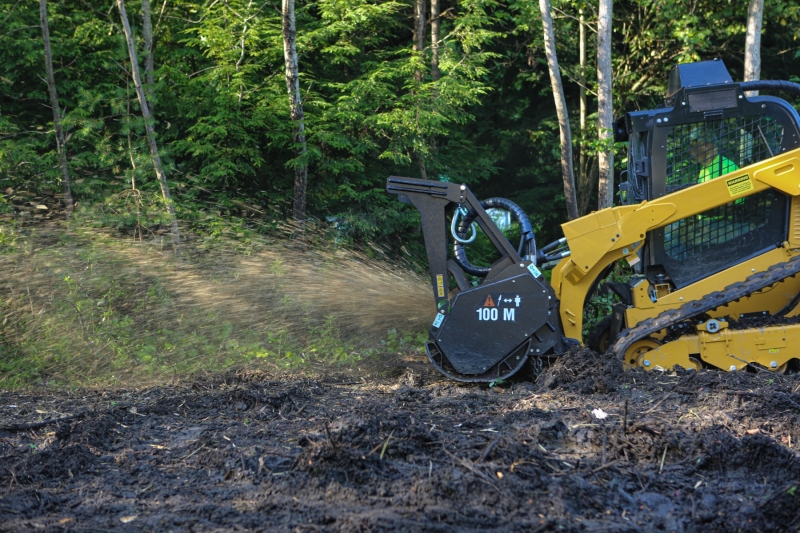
(582, 61)
(296, 108)
(752, 43)
(605, 112)
(567, 173)
(586, 175)
(148, 124)
(147, 35)
(435, 72)
(51, 87)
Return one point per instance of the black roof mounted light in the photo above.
(696, 75)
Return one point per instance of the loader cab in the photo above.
(706, 128)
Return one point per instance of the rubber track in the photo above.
(709, 302)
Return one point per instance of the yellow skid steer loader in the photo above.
(709, 222)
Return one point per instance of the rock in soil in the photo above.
(586, 447)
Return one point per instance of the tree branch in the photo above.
(18, 29)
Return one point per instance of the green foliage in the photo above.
(398, 342)
(496, 383)
(601, 302)
(372, 106)
(88, 310)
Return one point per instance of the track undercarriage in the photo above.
(690, 338)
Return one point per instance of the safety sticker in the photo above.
(438, 320)
(774, 350)
(507, 308)
(739, 185)
(535, 271)
(440, 285)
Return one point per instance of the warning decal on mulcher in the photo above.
(740, 185)
(504, 309)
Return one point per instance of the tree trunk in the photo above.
(419, 49)
(51, 87)
(605, 112)
(435, 72)
(419, 32)
(586, 186)
(752, 43)
(584, 179)
(148, 124)
(147, 35)
(296, 108)
(561, 109)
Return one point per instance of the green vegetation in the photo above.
(602, 301)
(83, 307)
(373, 108)
(100, 300)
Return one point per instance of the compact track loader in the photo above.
(709, 222)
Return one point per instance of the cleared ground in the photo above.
(682, 451)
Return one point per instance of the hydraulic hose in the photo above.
(527, 245)
(770, 85)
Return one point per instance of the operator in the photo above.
(707, 229)
(719, 226)
(708, 157)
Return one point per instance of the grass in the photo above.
(84, 306)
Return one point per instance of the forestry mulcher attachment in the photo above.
(709, 223)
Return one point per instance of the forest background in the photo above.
(463, 96)
(481, 114)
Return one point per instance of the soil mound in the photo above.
(581, 370)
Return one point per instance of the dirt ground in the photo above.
(685, 451)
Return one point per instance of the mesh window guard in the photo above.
(695, 235)
(706, 150)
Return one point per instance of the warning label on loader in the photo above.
(740, 185)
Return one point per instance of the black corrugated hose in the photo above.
(527, 245)
(770, 85)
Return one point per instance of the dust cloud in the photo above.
(91, 308)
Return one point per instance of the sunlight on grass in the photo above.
(82, 307)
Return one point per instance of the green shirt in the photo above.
(717, 168)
